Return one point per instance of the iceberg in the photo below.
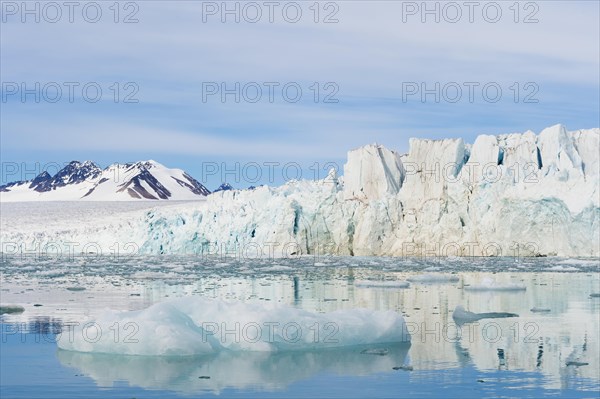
(461, 315)
(198, 326)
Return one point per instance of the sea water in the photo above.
(549, 348)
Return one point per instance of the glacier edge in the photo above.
(507, 195)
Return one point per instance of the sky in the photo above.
(288, 88)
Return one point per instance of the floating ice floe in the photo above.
(464, 316)
(540, 310)
(489, 284)
(433, 278)
(196, 325)
(381, 284)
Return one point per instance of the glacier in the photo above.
(520, 194)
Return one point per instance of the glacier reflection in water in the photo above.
(554, 349)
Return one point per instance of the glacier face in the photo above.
(510, 195)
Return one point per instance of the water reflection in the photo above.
(561, 344)
(239, 370)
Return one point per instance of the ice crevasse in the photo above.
(514, 194)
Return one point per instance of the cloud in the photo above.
(369, 54)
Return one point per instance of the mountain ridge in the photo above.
(142, 180)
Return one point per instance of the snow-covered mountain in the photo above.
(147, 180)
(509, 195)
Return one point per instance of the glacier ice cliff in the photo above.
(514, 194)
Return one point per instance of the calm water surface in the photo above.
(552, 353)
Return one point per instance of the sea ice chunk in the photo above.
(381, 284)
(196, 325)
(433, 278)
(539, 310)
(464, 316)
(489, 284)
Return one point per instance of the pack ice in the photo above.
(513, 194)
